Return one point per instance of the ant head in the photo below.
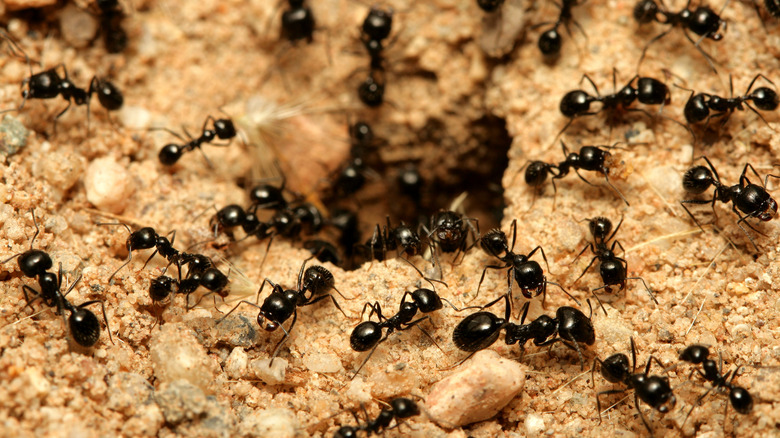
(645, 11)
(365, 336)
(84, 327)
(427, 300)
(371, 92)
(224, 128)
(769, 212)
(661, 396)
(230, 216)
(489, 5)
(361, 133)
(266, 196)
(765, 99)
(705, 22)
(145, 238)
(697, 179)
(161, 288)
(600, 227)
(108, 94)
(543, 327)
(529, 276)
(695, 354)
(550, 42)
(615, 368)
(214, 280)
(574, 103)
(33, 262)
(697, 108)
(494, 243)
(170, 154)
(651, 91)
(410, 181)
(536, 173)
(741, 400)
(378, 23)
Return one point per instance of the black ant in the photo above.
(748, 199)
(222, 129)
(449, 231)
(611, 267)
(480, 330)
(281, 304)
(211, 278)
(410, 183)
(376, 27)
(703, 21)
(698, 106)
(648, 91)
(739, 397)
(352, 177)
(402, 238)
(33, 262)
(111, 15)
(82, 323)
(298, 22)
(653, 390)
(550, 40)
(591, 158)
(528, 273)
(368, 334)
(145, 238)
(400, 408)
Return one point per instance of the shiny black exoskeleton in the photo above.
(527, 273)
(376, 28)
(33, 262)
(648, 91)
(222, 129)
(653, 390)
(702, 106)
(111, 16)
(748, 200)
(449, 231)
(613, 269)
(298, 22)
(388, 238)
(480, 330)
(82, 323)
(281, 304)
(702, 21)
(400, 408)
(368, 334)
(712, 372)
(490, 5)
(550, 41)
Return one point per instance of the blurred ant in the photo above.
(49, 84)
(528, 273)
(739, 397)
(611, 267)
(489, 5)
(747, 198)
(298, 22)
(111, 16)
(480, 330)
(402, 238)
(33, 262)
(352, 176)
(703, 21)
(653, 390)
(82, 323)
(400, 408)
(698, 106)
(281, 304)
(376, 27)
(368, 334)
(550, 40)
(449, 231)
(648, 91)
(410, 183)
(222, 129)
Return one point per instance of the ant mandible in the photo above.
(699, 105)
(611, 267)
(703, 21)
(528, 273)
(480, 330)
(281, 304)
(653, 390)
(400, 408)
(747, 198)
(222, 129)
(739, 397)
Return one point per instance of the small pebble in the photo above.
(322, 363)
(78, 26)
(272, 375)
(177, 354)
(13, 135)
(534, 424)
(135, 117)
(108, 185)
(236, 364)
(181, 401)
(477, 392)
(60, 169)
(128, 392)
(270, 423)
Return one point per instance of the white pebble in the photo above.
(108, 185)
(177, 354)
(236, 363)
(534, 424)
(270, 423)
(486, 384)
(322, 363)
(135, 117)
(78, 26)
(270, 374)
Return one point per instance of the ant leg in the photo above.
(649, 291)
(234, 308)
(593, 292)
(641, 415)
(429, 280)
(371, 353)
(284, 338)
(35, 293)
(543, 256)
(586, 269)
(696, 202)
(481, 279)
(322, 297)
(561, 288)
(706, 55)
(105, 319)
(417, 321)
(606, 178)
(739, 224)
(652, 40)
(599, 394)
